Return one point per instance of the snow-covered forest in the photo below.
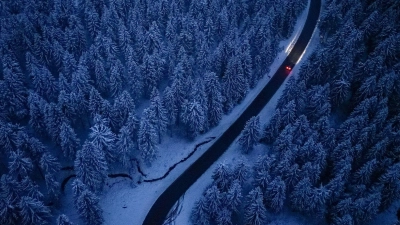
(332, 147)
(97, 84)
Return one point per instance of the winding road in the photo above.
(167, 199)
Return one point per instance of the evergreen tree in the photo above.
(275, 194)
(255, 212)
(19, 165)
(95, 102)
(213, 199)
(91, 166)
(50, 166)
(250, 135)
(158, 114)
(102, 80)
(123, 105)
(234, 83)
(241, 172)
(69, 141)
(200, 211)
(147, 138)
(234, 196)
(33, 211)
(363, 174)
(13, 93)
(194, 117)
(224, 217)
(366, 207)
(273, 128)
(222, 177)
(54, 118)
(308, 199)
(37, 113)
(103, 138)
(125, 145)
(214, 98)
(44, 83)
(63, 220)
(89, 208)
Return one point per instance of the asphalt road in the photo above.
(167, 199)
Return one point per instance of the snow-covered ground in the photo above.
(124, 204)
(234, 154)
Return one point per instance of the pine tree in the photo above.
(19, 165)
(50, 166)
(91, 166)
(89, 209)
(200, 211)
(363, 174)
(158, 114)
(214, 98)
(275, 194)
(224, 217)
(33, 211)
(37, 113)
(234, 83)
(95, 102)
(222, 177)
(241, 172)
(125, 145)
(147, 138)
(308, 199)
(250, 135)
(44, 83)
(234, 196)
(117, 80)
(14, 93)
(69, 141)
(123, 105)
(63, 220)
(194, 117)
(54, 118)
(102, 80)
(255, 212)
(103, 138)
(213, 199)
(273, 128)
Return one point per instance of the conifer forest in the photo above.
(91, 88)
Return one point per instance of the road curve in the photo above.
(167, 199)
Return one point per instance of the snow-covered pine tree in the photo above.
(103, 138)
(89, 209)
(255, 212)
(222, 177)
(69, 141)
(91, 166)
(194, 117)
(250, 135)
(158, 114)
(125, 146)
(234, 196)
(123, 105)
(33, 211)
(63, 220)
(241, 172)
(214, 98)
(275, 194)
(50, 167)
(213, 199)
(224, 217)
(200, 212)
(147, 138)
